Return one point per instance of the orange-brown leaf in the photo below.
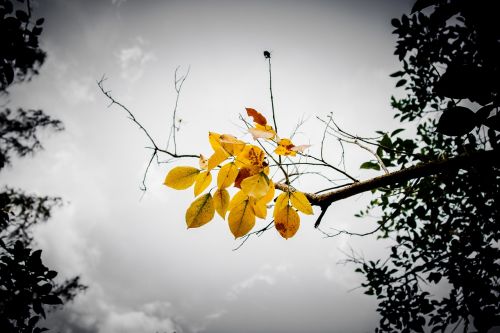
(257, 116)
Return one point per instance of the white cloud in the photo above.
(91, 314)
(266, 275)
(133, 59)
(78, 91)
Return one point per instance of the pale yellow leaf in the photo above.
(221, 201)
(202, 181)
(300, 201)
(231, 144)
(201, 211)
(237, 199)
(241, 219)
(262, 132)
(227, 175)
(270, 193)
(256, 186)
(219, 156)
(281, 202)
(203, 161)
(182, 177)
(287, 222)
(300, 148)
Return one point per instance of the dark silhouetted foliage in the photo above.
(20, 54)
(28, 288)
(445, 226)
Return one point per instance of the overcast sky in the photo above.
(145, 271)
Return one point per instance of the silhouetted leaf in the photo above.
(456, 121)
(422, 4)
(434, 277)
(40, 21)
(22, 15)
(463, 82)
(397, 131)
(493, 122)
(32, 322)
(45, 288)
(400, 83)
(397, 74)
(370, 165)
(8, 72)
(483, 113)
(37, 31)
(51, 300)
(395, 23)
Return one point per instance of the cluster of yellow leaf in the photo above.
(247, 169)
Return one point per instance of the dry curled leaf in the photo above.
(258, 118)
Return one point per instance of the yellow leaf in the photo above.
(299, 201)
(200, 212)
(203, 162)
(287, 222)
(259, 208)
(285, 148)
(221, 202)
(241, 219)
(182, 177)
(245, 172)
(231, 144)
(270, 193)
(256, 186)
(251, 156)
(227, 175)
(281, 202)
(214, 140)
(239, 197)
(202, 181)
(219, 156)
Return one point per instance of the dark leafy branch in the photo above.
(394, 178)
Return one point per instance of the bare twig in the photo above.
(132, 117)
(178, 82)
(268, 56)
(257, 233)
(380, 162)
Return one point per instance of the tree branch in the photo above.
(131, 116)
(464, 161)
